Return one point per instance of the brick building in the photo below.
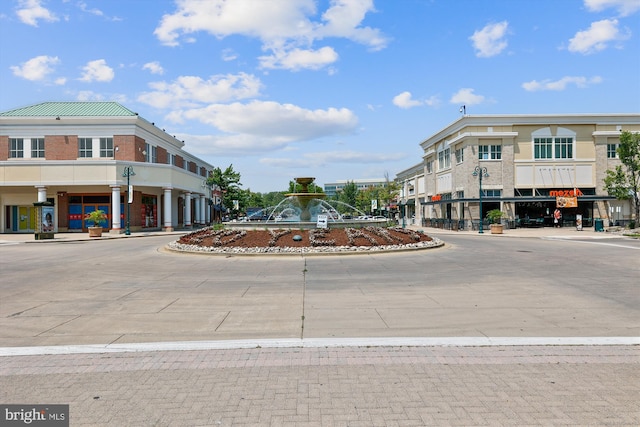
(74, 155)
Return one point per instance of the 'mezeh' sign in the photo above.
(566, 193)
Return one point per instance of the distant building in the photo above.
(333, 188)
(74, 154)
(534, 163)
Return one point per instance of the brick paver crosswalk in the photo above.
(343, 386)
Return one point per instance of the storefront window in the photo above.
(149, 211)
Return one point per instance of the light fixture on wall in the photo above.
(117, 148)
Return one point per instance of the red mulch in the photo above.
(331, 237)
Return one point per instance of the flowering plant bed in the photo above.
(291, 240)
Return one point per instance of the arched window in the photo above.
(559, 146)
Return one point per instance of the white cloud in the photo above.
(320, 159)
(343, 19)
(30, 11)
(229, 55)
(490, 41)
(597, 37)
(36, 69)
(432, 101)
(191, 91)
(298, 59)
(465, 96)
(154, 67)
(260, 127)
(283, 26)
(229, 145)
(97, 71)
(404, 100)
(624, 7)
(267, 119)
(558, 85)
(94, 11)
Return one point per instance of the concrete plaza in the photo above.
(435, 337)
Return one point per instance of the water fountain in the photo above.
(304, 197)
(300, 210)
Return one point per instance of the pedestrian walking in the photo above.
(557, 215)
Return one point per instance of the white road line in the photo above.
(319, 343)
(591, 243)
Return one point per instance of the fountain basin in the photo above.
(302, 225)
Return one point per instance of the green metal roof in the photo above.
(71, 109)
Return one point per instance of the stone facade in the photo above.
(520, 179)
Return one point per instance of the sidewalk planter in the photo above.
(497, 228)
(494, 216)
(96, 217)
(95, 231)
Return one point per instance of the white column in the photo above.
(42, 193)
(187, 210)
(115, 209)
(196, 214)
(166, 217)
(203, 206)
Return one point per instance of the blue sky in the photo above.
(337, 90)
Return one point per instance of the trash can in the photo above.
(598, 224)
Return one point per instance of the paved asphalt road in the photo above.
(129, 334)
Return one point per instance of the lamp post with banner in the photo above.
(128, 173)
(480, 172)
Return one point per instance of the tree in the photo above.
(624, 181)
(389, 191)
(228, 181)
(349, 194)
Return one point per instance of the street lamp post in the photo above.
(480, 172)
(128, 173)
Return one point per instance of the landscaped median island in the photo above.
(291, 241)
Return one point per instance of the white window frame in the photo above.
(612, 151)
(16, 148)
(546, 146)
(88, 152)
(106, 147)
(37, 148)
(489, 152)
(444, 159)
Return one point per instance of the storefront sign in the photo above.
(566, 193)
(566, 202)
(436, 198)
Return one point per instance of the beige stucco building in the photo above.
(527, 162)
(74, 156)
